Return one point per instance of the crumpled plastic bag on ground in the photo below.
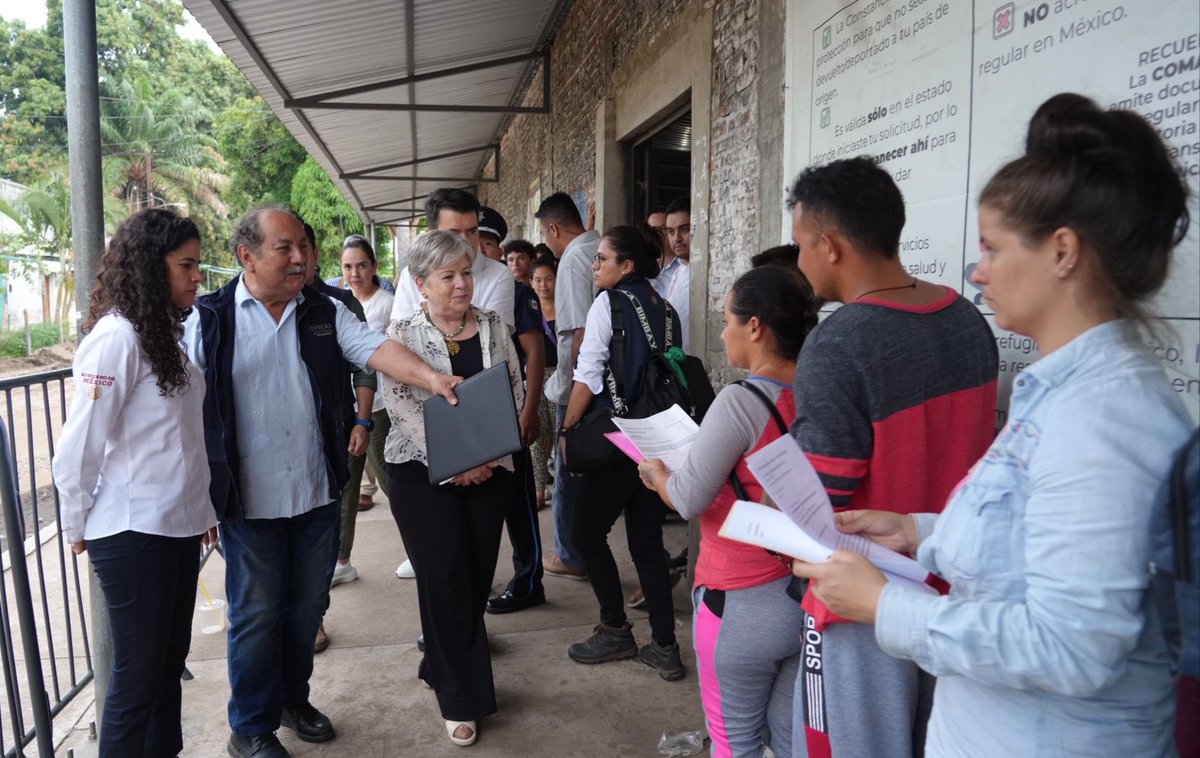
(682, 743)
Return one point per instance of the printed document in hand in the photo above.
(667, 435)
(803, 527)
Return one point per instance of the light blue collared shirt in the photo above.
(1048, 643)
(279, 440)
(662, 282)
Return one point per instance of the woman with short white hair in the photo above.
(451, 532)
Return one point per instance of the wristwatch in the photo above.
(367, 422)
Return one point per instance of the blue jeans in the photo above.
(149, 585)
(278, 589)
(566, 489)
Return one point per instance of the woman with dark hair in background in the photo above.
(1049, 642)
(747, 651)
(132, 473)
(359, 273)
(543, 278)
(625, 262)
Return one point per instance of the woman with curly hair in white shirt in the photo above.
(133, 475)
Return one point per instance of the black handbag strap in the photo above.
(1180, 518)
(738, 489)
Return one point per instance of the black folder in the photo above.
(481, 428)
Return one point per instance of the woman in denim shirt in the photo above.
(1047, 644)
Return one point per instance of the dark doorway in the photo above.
(661, 165)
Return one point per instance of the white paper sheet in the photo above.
(785, 473)
(667, 436)
(757, 524)
(783, 470)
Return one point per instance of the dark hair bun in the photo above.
(1108, 176)
(1066, 123)
(639, 243)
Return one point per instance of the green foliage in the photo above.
(12, 344)
(181, 126)
(157, 154)
(318, 202)
(33, 131)
(262, 156)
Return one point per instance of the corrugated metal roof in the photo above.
(302, 56)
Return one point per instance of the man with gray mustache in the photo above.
(275, 356)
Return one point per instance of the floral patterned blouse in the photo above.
(406, 440)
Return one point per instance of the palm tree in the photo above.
(154, 152)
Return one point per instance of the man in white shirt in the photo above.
(678, 290)
(668, 264)
(456, 210)
(276, 357)
(562, 229)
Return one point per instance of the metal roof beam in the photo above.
(322, 101)
(387, 167)
(239, 32)
(313, 101)
(442, 179)
(392, 221)
(388, 206)
(425, 107)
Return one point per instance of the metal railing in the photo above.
(44, 585)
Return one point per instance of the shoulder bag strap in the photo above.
(1180, 518)
(775, 414)
(738, 489)
(641, 314)
(616, 358)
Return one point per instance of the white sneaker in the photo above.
(405, 571)
(343, 573)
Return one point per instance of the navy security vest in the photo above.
(328, 376)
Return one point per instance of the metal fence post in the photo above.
(87, 224)
(39, 702)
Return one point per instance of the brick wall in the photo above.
(601, 47)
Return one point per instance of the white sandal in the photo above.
(452, 727)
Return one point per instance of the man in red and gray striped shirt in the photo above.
(895, 401)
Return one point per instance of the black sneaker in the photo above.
(307, 722)
(257, 746)
(607, 643)
(665, 659)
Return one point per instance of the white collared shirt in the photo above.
(662, 282)
(378, 309)
(679, 295)
(493, 292)
(130, 459)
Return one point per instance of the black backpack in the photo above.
(670, 376)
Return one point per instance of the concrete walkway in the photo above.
(366, 681)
